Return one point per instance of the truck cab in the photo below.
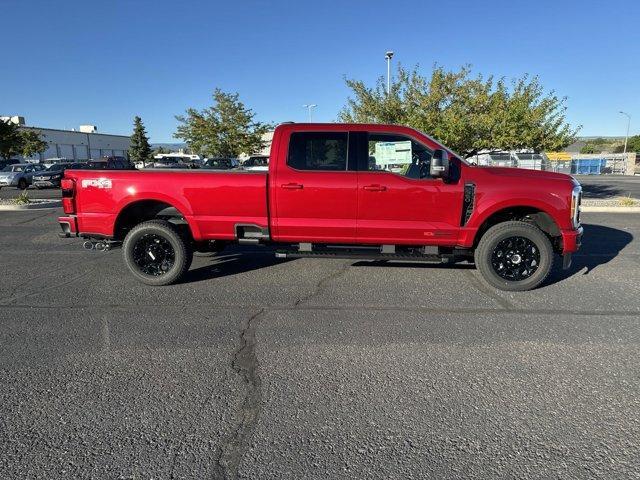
(354, 190)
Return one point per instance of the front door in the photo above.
(398, 202)
(315, 193)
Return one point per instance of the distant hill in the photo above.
(174, 147)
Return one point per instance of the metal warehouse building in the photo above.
(83, 144)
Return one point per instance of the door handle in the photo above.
(374, 188)
(292, 186)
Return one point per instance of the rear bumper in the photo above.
(46, 183)
(69, 225)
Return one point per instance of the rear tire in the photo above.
(514, 256)
(157, 253)
(22, 184)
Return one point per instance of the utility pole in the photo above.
(388, 56)
(626, 138)
(309, 106)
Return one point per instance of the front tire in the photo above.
(157, 253)
(514, 256)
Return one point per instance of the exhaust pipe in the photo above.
(88, 245)
(101, 247)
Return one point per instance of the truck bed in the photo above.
(213, 202)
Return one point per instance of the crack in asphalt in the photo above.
(319, 288)
(24, 222)
(245, 363)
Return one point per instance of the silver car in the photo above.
(19, 175)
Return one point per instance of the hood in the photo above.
(8, 174)
(525, 173)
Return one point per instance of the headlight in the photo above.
(576, 200)
(54, 177)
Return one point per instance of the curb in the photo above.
(31, 206)
(610, 209)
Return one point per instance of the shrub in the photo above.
(22, 199)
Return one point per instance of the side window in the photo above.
(318, 151)
(398, 154)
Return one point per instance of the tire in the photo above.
(22, 184)
(170, 251)
(514, 256)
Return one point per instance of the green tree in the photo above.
(633, 145)
(10, 140)
(159, 150)
(226, 129)
(32, 143)
(588, 148)
(466, 113)
(140, 150)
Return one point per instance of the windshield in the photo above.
(13, 168)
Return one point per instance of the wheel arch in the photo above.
(526, 213)
(139, 211)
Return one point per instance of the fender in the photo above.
(553, 205)
(182, 208)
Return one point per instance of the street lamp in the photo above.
(628, 125)
(388, 56)
(309, 106)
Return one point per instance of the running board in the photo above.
(367, 254)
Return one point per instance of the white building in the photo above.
(80, 145)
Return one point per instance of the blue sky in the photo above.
(70, 62)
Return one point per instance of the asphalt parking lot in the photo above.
(609, 186)
(262, 368)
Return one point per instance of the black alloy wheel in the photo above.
(154, 255)
(157, 252)
(515, 258)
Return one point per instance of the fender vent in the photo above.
(468, 202)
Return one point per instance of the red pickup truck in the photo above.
(335, 190)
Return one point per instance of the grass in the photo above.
(22, 199)
(627, 201)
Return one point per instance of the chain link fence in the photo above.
(578, 164)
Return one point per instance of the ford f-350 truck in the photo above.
(336, 190)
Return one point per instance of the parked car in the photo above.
(49, 162)
(51, 177)
(221, 163)
(256, 163)
(109, 163)
(322, 198)
(167, 162)
(19, 175)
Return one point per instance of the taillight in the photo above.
(68, 187)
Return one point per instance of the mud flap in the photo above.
(566, 261)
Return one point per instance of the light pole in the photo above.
(388, 56)
(309, 106)
(626, 138)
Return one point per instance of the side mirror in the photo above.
(439, 164)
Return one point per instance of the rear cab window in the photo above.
(318, 151)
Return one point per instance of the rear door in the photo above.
(398, 201)
(315, 189)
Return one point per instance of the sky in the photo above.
(66, 63)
